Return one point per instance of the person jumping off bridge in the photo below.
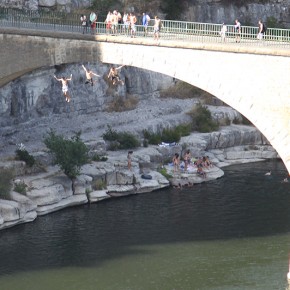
(89, 76)
(64, 82)
(114, 76)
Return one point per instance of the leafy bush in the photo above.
(98, 158)
(184, 129)
(152, 138)
(120, 140)
(23, 155)
(110, 134)
(6, 176)
(170, 135)
(69, 154)
(127, 140)
(202, 120)
(167, 135)
(20, 187)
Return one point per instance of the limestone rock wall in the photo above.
(39, 95)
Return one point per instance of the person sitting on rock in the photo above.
(114, 75)
(200, 171)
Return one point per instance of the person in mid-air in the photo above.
(89, 76)
(64, 82)
(114, 75)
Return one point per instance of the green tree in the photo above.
(69, 154)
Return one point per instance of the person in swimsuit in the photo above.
(89, 76)
(64, 82)
(176, 161)
(113, 75)
(157, 26)
(129, 159)
(186, 159)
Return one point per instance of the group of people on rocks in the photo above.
(118, 24)
(238, 31)
(198, 162)
(113, 76)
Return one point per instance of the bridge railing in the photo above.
(170, 30)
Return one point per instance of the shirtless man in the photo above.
(113, 75)
(89, 76)
(133, 21)
(157, 26)
(64, 82)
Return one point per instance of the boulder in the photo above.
(63, 203)
(28, 217)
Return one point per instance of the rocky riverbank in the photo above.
(49, 190)
(33, 104)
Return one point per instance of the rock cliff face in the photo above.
(276, 12)
(220, 11)
(39, 94)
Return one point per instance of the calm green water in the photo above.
(229, 234)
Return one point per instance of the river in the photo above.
(229, 234)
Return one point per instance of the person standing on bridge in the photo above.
(114, 20)
(133, 21)
(261, 30)
(223, 32)
(157, 27)
(114, 75)
(145, 22)
(126, 23)
(84, 23)
(64, 82)
(238, 30)
(89, 76)
(93, 22)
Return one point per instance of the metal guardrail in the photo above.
(171, 30)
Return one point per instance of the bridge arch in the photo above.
(253, 80)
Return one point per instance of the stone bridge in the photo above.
(254, 80)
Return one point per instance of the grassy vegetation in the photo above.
(163, 171)
(20, 187)
(183, 90)
(98, 158)
(167, 135)
(121, 104)
(23, 155)
(99, 184)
